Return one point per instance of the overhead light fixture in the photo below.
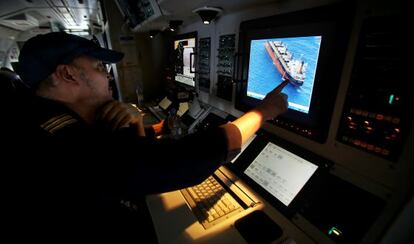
(174, 24)
(207, 14)
(153, 33)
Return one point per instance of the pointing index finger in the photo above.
(282, 85)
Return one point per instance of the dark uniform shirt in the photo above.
(66, 171)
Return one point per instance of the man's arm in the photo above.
(118, 115)
(175, 164)
(273, 104)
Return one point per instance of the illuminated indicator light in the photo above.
(395, 120)
(335, 231)
(391, 99)
(397, 130)
(380, 117)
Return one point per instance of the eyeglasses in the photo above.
(104, 67)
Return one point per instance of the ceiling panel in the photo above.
(23, 15)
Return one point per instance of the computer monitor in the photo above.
(136, 13)
(185, 47)
(305, 47)
(286, 175)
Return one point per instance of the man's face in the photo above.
(94, 81)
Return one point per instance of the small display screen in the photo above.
(280, 172)
(274, 60)
(184, 64)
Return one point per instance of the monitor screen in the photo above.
(184, 66)
(274, 60)
(280, 172)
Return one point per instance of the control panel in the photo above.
(225, 67)
(204, 63)
(376, 114)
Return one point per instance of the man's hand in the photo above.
(274, 103)
(116, 115)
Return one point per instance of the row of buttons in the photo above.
(370, 147)
(305, 132)
(380, 117)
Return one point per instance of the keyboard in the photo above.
(210, 202)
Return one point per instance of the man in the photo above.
(91, 150)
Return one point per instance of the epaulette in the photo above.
(58, 122)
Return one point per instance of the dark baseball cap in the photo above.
(41, 55)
